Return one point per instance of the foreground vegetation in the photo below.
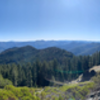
(66, 92)
(17, 93)
(77, 91)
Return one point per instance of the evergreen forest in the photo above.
(39, 72)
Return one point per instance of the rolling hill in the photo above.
(76, 47)
(30, 54)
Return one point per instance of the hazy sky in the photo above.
(27, 20)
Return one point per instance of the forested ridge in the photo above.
(30, 54)
(76, 47)
(35, 73)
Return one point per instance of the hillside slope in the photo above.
(30, 54)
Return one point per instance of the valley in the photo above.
(49, 50)
(48, 74)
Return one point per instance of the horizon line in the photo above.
(49, 40)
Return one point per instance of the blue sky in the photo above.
(27, 20)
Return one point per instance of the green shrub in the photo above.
(4, 82)
(7, 95)
(23, 93)
(16, 91)
(26, 98)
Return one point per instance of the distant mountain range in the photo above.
(30, 54)
(76, 47)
